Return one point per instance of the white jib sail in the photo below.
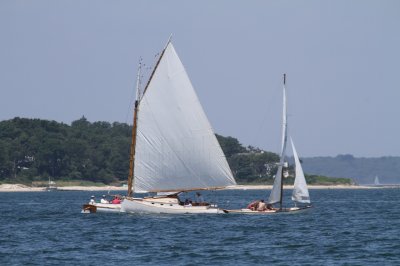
(176, 147)
(300, 190)
(275, 195)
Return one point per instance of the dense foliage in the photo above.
(249, 165)
(33, 150)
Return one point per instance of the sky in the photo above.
(61, 60)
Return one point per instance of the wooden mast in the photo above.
(283, 163)
(135, 118)
(134, 133)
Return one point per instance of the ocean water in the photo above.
(345, 227)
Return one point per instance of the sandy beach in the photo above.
(19, 188)
(248, 187)
(24, 188)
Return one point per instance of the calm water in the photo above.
(345, 227)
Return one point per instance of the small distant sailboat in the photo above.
(376, 181)
(300, 193)
(173, 148)
(51, 186)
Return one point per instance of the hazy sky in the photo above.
(60, 60)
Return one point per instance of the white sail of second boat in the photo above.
(300, 191)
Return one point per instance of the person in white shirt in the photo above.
(92, 200)
(188, 203)
(261, 206)
(104, 200)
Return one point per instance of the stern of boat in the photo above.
(89, 208)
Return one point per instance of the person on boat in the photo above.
(261, 206)
(92, 200)
(199, 198)
(270, 207)
(116, 200)
(104, 200)
(188, 203)
(253, 205)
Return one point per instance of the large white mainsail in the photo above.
(300, 190)
(276, 193)
(176, 148)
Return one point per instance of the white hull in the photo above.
(101, 207)
(248, 211)
(163, 205)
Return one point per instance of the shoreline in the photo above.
(250, 187)
(24, 188)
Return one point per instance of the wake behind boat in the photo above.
(300, 193)
(173, 148)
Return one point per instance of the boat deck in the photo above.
(285, 210)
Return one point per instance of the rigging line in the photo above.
(156, 66)
(131, 99)
(266, 114)
(128, 112)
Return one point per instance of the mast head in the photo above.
(168, 42)
(284, 79)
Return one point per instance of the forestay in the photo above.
(300, 191)
(176, 147)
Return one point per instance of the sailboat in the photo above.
(51, 186)
(173, 148)
(376, 181)
(300, 193)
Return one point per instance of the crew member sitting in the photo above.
(116, 200)
(261, 206)
(92, 200)
(253, 205)
(104, 200)
(188, 203)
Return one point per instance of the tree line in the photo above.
(362, 170)
(35, 149)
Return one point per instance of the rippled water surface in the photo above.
(352, 227)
